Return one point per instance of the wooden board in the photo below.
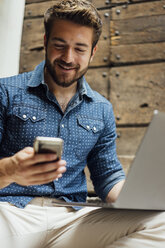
(30, 59)
(137, 53)
(137, 31)
(38, 9)
(33, 34)
(127, 1)
(89, 182)
(99, 80)
(102, 56)
(135, 91)
(36, 1)
(138, 23)
(129, 139)
(132, 11)
(96, 3)
(101, 3)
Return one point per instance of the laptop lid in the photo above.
(144, 188)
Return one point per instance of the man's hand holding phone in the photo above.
(28, 167)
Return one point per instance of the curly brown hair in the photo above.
(78, 11)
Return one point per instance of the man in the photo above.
(55, 100)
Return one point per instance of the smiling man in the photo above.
(68, 52)
(55, 100)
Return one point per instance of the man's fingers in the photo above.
(40, 158)
(48, 167)
(22, 155)
(28, 150)
(27, 157)
(45, 177)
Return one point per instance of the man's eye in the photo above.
(80, 50)
(58, 46)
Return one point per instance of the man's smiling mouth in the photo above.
(66, 67)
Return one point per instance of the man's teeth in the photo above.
(66, 68)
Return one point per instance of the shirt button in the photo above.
(24, 116)
(62, 125)
(34, 118)
(94, 128)
(88, 127)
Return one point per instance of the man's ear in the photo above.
(93, 53)
(45, 41)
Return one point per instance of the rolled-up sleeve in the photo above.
(104, 166)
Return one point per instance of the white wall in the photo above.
(11, 22)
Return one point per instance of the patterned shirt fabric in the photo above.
(28, 109)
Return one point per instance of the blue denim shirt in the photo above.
(28, 109)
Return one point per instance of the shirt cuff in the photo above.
(109, 182)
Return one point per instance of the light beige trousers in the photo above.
(41, 225)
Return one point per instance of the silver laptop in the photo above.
(144, 188)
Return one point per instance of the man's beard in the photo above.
(64, 83)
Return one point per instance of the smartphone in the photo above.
(48, 145)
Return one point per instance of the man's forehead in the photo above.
(64, 31)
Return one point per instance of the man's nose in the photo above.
(68, 55)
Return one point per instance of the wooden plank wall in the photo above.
(128, 68)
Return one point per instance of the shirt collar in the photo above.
(84, 88)
(37, 78)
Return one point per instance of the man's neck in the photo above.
(62, 94)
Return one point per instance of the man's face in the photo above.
(68, 52)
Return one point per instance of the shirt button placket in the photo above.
(62, 130)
